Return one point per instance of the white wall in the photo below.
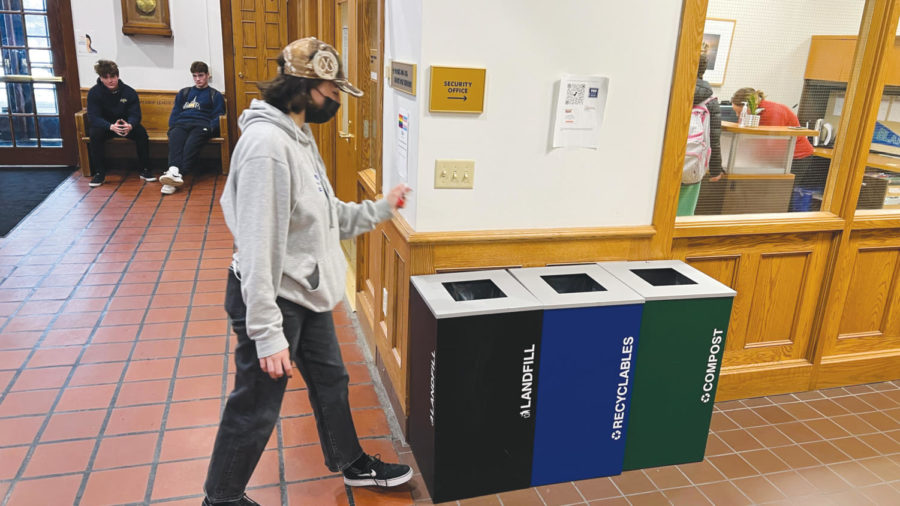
(402, 42)
(771, 41)
(150, 61)
(526, 45)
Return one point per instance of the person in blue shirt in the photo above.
(114, 109)
(194, 119)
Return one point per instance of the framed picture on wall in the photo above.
(717, 37)
(146, 17)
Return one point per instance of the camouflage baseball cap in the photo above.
(313, 59)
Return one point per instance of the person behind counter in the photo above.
(775, 114)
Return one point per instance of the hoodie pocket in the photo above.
(304, 270)
(311, 282)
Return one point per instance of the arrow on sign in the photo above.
(463, 98)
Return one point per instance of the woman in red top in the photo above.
(808, 173)
(773, 114)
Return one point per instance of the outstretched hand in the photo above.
(397, 196)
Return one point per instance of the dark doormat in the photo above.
(22, 189)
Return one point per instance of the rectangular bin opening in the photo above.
(573, 283)
(473, 290)
(663, 277)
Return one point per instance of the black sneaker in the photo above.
(377, 473)
(98, 179)
(148, 176)
(243, 501)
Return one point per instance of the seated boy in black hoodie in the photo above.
(194, 119)
(113, 108)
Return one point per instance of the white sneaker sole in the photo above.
(372, 482)
(148, 179)
(167, 191)
(171, 181)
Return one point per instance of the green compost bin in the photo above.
(679, 354)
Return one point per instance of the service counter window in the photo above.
(767, 107)
(880, 189)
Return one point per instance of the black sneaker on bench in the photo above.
(374, 472)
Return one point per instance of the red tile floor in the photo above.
(114, 366)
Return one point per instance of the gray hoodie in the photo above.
(286, 223)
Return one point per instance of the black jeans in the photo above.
(98, 139)
(252, 408)
(185, 142)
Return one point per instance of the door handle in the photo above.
(345, 135)
(241, 75)
(19, 78)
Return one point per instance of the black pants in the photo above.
(253, 407)
(98, 139)
(185, 142)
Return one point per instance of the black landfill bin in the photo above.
(474, 348)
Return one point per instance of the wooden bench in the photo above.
(155, 109)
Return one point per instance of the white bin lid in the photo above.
(703, 287)
(614, 293)
(443, 305)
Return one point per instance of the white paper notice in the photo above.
(883, 108)
(401, 155)
(894, 113)
(579, 111)
(838, 106)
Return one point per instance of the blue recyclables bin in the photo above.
(474, 348)
(588, 339)
(683, 330)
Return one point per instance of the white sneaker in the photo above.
(167, 189)
(171, 177)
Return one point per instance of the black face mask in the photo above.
(321, 115)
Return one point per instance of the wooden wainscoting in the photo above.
(779, 276)
(389, 255)
(866, 344)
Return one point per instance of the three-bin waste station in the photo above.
(532, 376)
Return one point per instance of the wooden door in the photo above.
(39, 92)
(259, 28)
(347, 163)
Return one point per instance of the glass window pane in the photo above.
(343, 113)
(36, 5)
(20, 98)
(25, 131)
(880, 190)
(45, 98)
(10, 5)
(41, 62)
(4, 102)
(38, 41)
(12, 30)
(40, 56)
(36, 25)
(5, 133)
(50, 133)
(782, 68)
(15, 61)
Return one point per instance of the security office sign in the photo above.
(456, 89)
(403, 77)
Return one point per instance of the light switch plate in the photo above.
(459, 174)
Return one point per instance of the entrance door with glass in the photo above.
(38, 91)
